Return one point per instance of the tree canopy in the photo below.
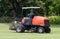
(48, 7)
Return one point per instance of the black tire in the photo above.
(47, 30)
(20, 29)
(41, 30)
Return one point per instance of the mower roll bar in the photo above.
(30, 7)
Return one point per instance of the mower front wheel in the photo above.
(20, 29)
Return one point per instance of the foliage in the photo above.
(47, 7)
(54, 19)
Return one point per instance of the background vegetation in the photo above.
(49, 8)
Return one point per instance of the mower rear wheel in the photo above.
(41, 30)
(47, 30)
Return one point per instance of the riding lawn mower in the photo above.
(38, 24)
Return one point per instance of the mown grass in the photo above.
(5, 33)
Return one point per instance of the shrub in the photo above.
(54, 19)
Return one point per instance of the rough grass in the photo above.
(5, 33)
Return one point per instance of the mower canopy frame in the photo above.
(25, 8)
(30, 7)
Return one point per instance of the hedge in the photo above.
(54, 19)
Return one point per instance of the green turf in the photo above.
(5, 33)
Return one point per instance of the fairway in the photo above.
(5, 33)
